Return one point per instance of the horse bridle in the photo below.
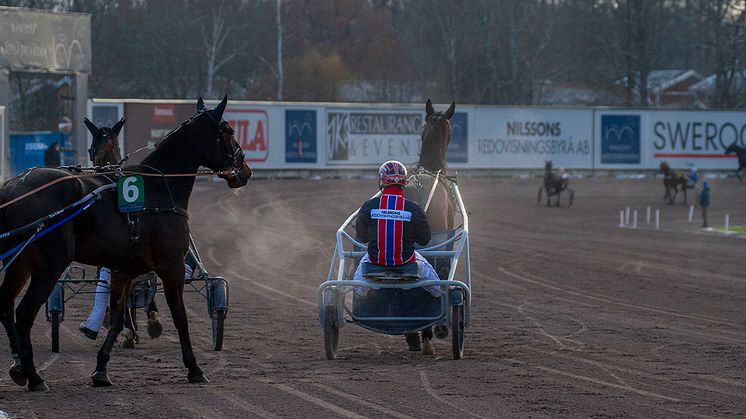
(234, 157)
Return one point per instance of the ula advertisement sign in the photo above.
(527, 137)
(370, 137)
(252, 131)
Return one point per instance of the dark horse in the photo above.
(671, 182)
(554, 184)
(154, 239)
(741, 153)
(440, 208)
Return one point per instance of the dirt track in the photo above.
(572, 316)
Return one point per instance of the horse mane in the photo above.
(168, 140)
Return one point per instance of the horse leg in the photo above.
(572, 196)
(130, 328)
(549, 198)
(538, 199)
(120, 287)
(559, 194)
(14, 281)
(42, 283)
(173, 287)
(155, 328)
(683, 189)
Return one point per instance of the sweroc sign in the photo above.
(251, 128)
(691, 138)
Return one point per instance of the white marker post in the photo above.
(657, 219)
(626, 217)
(621, 218)
(634, 219)
(647, 217)
(727, 222)
(691, 213)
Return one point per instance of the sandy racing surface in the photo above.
(572, 316)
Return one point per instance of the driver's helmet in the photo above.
(392, 173)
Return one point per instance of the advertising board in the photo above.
(527, 137)
(694, 138)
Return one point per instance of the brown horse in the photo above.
(438, 204)
(554, 184)
(102, 236)
(671, 182)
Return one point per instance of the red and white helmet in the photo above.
(392, 173)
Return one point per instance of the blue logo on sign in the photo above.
(620, 139)
(458, 148)
(300, 136)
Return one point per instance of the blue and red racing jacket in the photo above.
(391, 225)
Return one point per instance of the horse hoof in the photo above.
(100, 379)
(17, 376)
(441, 331)
(155, 328)
(199, 378)
(129, 338)
(40, 386)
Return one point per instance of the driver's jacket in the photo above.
(391, 225)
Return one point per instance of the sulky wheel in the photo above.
(54, 318)
(218, 323)
(331, 330)
(457, 335)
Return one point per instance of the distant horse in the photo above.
(156, 240)
(741, 153)
(554, 184)
(104, 148)
(440, 206)
(672, 181)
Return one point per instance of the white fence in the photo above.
(285, 135)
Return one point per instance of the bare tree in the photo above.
(214, 36)
(723, 44)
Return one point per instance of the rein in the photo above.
(86, 175)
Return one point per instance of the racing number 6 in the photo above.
(130, 191)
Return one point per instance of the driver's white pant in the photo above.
(427, 273)
(100, 301)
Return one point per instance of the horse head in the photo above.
(218, 146)
(664, 168)
(105, 145)
(436, 134)
(731, 148)
(548, 165)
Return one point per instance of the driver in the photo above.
(391, 225)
